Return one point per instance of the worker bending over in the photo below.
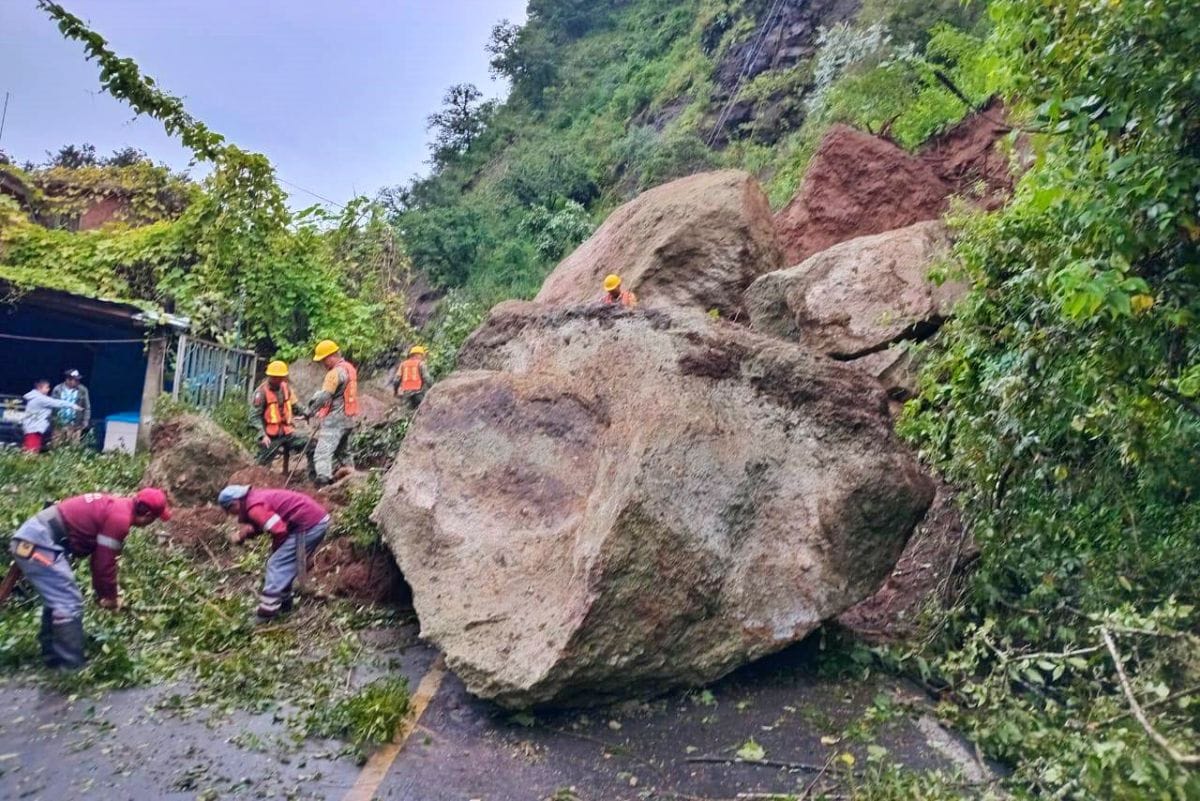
(412, 381)
(94, 525)
(296, 524)
(272, 413)
(614, 295)
(335, 405)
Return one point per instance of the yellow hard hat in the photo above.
(612, 282)
(416, 350)
(277, 369)
(325, 348)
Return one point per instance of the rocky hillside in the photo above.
(612, 98)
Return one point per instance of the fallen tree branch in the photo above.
(1136, 709)
(1160, 702)
(758, 763)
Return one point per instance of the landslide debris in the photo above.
(696, 243)
(607, 503)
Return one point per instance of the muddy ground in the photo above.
(120, 745)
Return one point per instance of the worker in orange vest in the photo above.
(614, 295)
(335, 405)
(412, 379)
(272, 413)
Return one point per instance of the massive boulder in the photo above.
(193, 458)
(858, 184)
(696, 242)
(606, 503)
(859, 297)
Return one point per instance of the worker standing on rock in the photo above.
(94, 525)
(412, 380)
(297, 525)
(335, 405)
(614, 295)
(272, 414)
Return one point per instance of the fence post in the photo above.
(180, 366)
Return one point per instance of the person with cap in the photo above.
(35, 422)
(273, 413)
(412, 380)
(93, 525)
(335, 405)
(614, 295)
(71, 424)
(297, 525)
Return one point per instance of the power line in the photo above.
(751, 55)
(139, 341)
(314, 194)
(4, 116)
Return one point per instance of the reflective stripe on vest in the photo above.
(410, 376)
(277, 411)
(349, 394)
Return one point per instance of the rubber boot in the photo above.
(287, 604)
(67, 645)
(46, 638)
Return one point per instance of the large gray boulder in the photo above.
(861, 296)
(697, 242)
(606, 503)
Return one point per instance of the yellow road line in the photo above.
(377, 766)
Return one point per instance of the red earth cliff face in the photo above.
(859, 184)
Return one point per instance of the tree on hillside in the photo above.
(525, 56)
(462, 119)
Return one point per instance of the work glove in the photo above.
(111, 604)
(265, 441)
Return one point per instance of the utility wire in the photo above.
(78, 341)
(751, 56)
(310, 192)
(4, 117)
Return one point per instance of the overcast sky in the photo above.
(335, 92)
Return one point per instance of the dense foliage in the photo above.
(1063, 399)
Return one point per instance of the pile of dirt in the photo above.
(340, 568)
(193, 458)
(858, 184)
(930, 573)
(608, 503)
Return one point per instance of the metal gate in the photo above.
(207, 373)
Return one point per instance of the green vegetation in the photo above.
(1062, 399)
(369, 718)
(188, 621)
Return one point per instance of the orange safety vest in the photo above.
(277, 412)
(349, 392)
(410, 375)
(627, 299)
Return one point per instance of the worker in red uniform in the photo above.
(290, 518)
(94, 525)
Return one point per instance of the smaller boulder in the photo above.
(697, 242)
(859, 297)
(193, 458)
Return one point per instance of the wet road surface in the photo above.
(682, 746)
